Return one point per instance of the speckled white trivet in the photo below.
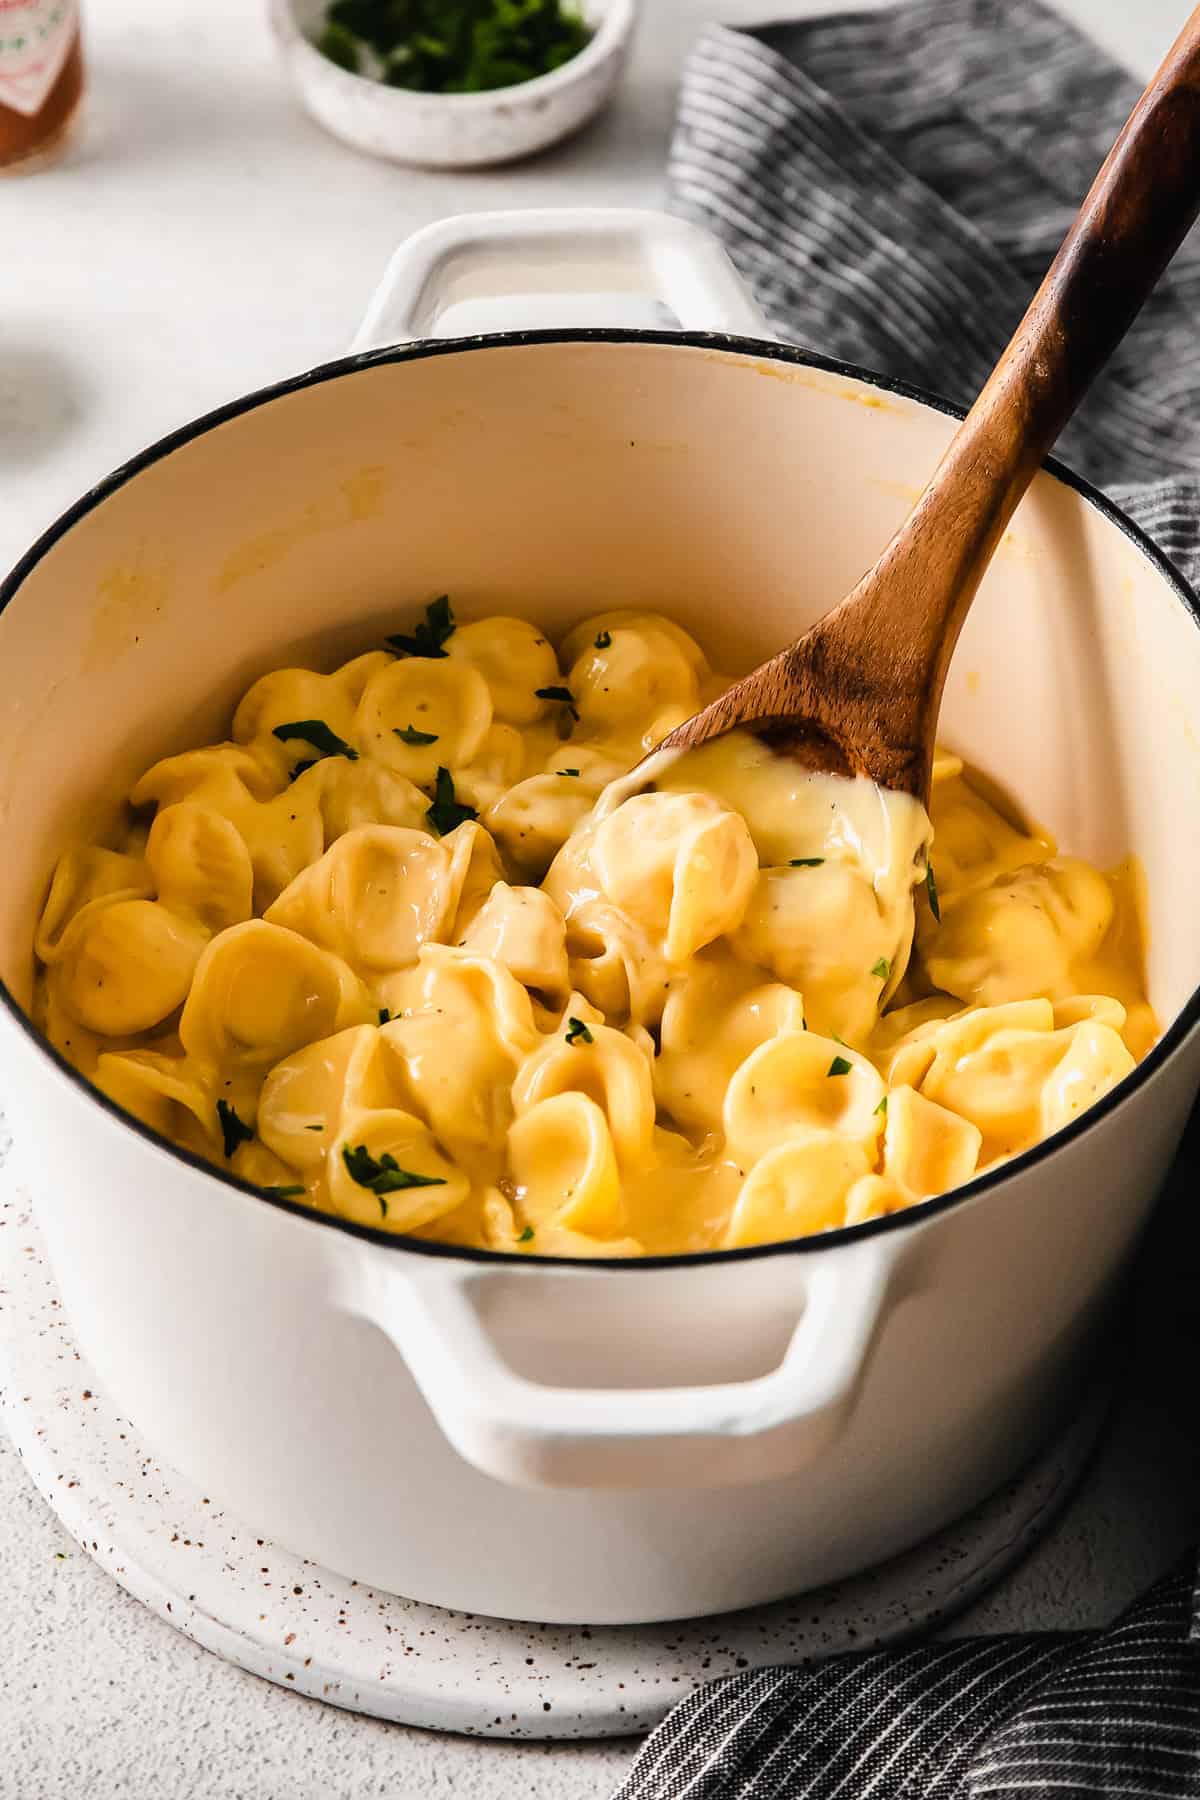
(296, 1624)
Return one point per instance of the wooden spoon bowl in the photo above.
(859, 693)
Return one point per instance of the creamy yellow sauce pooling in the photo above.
(382, 953)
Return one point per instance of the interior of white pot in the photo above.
(740, 496)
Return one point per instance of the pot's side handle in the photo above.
(566, 266)
(523, 1432)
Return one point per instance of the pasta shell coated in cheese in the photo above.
(521, 928)
(797, 1083)
(1021, 934)
(617, 964)
(821, 930)
(643, 669)
(903, 1024)
(445, 701)
(254, 1163)
(497, 766)
(354, 675)
(975, 845)
(222, 777)
(305, 1096)
(515, 659)
(998, 1066)
(163, 1092)
(1079, 1009)
(200, 865)
(291, 697)
(440, 1188)
(720, 1012)
(797, 1189)
(927, 1149)
(374, 898)
(1095, 1060)
(81, 878)
(679, 864)
(469, 1002)
(129, 966)
(283, 837)
(563, 1163)
(874, 1197)
(533, 821)
(80, 1046)
(609, 1070)
(350, 794)
(655, 630)
(475, 868)
(261, 992)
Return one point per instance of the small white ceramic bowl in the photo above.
(455, 131)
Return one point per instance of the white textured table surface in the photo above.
(201, 239)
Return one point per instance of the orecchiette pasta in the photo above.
(416, 715)
(679, 864)
(129, 966)
(515, 659)
(474, 1003)
(521, 929)
(562, 1159)
(801, 1184)
(375, 897)
(398, 951)
(798, 1083)
(200, 865)
(83, 877)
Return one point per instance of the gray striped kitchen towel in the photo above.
(894, 185)
(1056, 1716)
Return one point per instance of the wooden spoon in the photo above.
(859, 693)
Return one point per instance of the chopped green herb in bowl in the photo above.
(452, 46)
(452, 84)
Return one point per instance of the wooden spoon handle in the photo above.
(1139, 209)
(859, 692)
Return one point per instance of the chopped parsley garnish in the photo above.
(384, 1015)
(882, 1107)
(410, 735)
(302, 768)
(882, 968)
(430, 634)
(468, 47)
(447, 812)
(561, 694)
(806, 862)
(578, 1033)
(839, 1066)
(383, 1175)
(285, 1193)
(525, 1235)
(931, 890)
(317, 733)
(574, 772)
(338, 46)
(234, 1130)
(603, 640)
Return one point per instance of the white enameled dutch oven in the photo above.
(585, 1441)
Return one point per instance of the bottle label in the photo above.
(35, 40)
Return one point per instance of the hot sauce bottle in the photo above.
(41, 78)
